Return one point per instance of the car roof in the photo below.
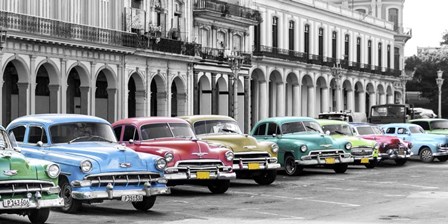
(328, 122)
(137, 121)
(194, 118)
(399, 124)
(429, 119)
(49, 119)
(286, 119)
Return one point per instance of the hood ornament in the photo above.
(200, 154)
(10, 172)
(326, 146)
(125, 165)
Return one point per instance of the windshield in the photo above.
(338, 129)
(81, 132)
(369, 130)
(5, 144)
(388, 111)
(439, 124)
(216, 127)
(416, 129)
(166, 130)
(305, 126)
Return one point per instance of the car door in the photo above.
(34, 141)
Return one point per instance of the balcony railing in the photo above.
(227, 9)
(168, 45)
(220, 55)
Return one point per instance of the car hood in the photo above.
(319, 139)
(237, 142)
(110, 157)
(356, 141)
(438, 131)
(14, 166)
(185, 149)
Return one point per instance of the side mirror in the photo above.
(131, 141)
(17, 149)
(40, 143)
(274, 135)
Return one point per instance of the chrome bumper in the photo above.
(193, 176)
(110, 193)
(37, 204)
(263, 166)
(342, 158)
(444, 153)
(385, 156)
(358, 158)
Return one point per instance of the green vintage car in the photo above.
(27, 186)
(364, 152)
(256, 160)
(302, 143)
(437, 126)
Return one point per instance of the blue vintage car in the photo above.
(94, 167)
(425, 146)
(302, 143)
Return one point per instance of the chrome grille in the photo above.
(200, 165)
(24, 186)
(326, 153)
(122, 179)
(361, 151)
(259, 157)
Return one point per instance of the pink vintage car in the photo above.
(390, 147)
(189, 161)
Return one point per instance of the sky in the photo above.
(428, 20)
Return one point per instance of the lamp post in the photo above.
(439, 81)
(235, 62)
(3, 34)
(337, 74)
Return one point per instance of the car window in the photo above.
(390, 131)
(19, 133)
(416, 129)
(273, 129)
(293, 127)
(313, 126)
(401, 131)
(261, 129)
(153, 131)
(130, 132)
(216, 126)
(117, 132)
(442, 124)
(81, 132)
(4, 141)
(181, 130)
(423, 124)
(338, 129)
(36, 134)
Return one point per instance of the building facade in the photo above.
(247, 59)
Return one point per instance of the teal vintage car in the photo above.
(438, 126)
(364, 152)
(302, 143)
(27, 186)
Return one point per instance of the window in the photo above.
(261, 129)
(388, 56)
(321, 42)
(37, 134)
(117, 132)
(361, 10)
(257, 37)
(369, 52)
(334, 44)
(19, 133)
(396, 58)
(136, 4)
(347, 47)
(236, 43)
(393, 17)
(273, 129)
(380, 54)
(307, 39)
(291, 35)
(130, 132)
(423, 124)
(390, 131)
(274, 32)
(358, 50)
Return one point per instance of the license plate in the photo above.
(203, 175)
(16, 203)
(365, 160)
(253, 166)
(330, 161)
(132, 198)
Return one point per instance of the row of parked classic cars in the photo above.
(65, 160)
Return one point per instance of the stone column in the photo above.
(372, 99)
(231, 99)
(23, 99)
(255, 99)
(362, 102)
(63, 93)
(247, 104)
(280, 101)
(93, 88)
(351, 100)
(111, 112)
(33, 77)
(264, 101)
(325, 99)
(140, 103)
(296, 96)
(311, 101)
(339, 98)
(196, 97)
(215, 95)
(54, 91)
(84, 99)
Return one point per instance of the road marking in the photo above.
(301, 199)
(275, 214)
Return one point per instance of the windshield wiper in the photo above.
(101, 138)
(77, 138)
(89, 137)
(313, 129)
(228, 130)
(340, 132)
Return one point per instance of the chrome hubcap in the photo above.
(426, 155)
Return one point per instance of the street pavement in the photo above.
(414, 193)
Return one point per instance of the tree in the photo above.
(444, 38)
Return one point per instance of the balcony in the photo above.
(225, 12)
(220, 55)
(167, 46)
(403, 34)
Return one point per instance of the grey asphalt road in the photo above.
(414, 193)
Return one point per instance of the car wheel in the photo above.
(426, 155)
(146, 204)
(266, 178)
(400, 162)
(39, 216)
(219, 186)
(442, 158)
(71, 205)
(291, 167)
(340, 168)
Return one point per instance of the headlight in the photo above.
(303, 148)
(169, 157)
(348, 146)
(274, 148)
(376, 146)
(53, 170)
(161, 164)
(86, 166)
(229, 155)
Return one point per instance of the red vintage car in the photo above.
(390, 147)
(189, 161)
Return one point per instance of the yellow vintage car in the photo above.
(257, 160)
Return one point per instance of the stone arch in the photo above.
(322, 95)
(347, 95)
(223, 96)
(276, 88)
(389, 94)
(14, 89)
(78, 87)
(46, 88)
(105, 93)
(381, 95)
(20, 65)
(292, 94)
(136, 95)
(359, 97)
(178, 97)
(158, 93)
(205, 95)
(259, 101)
(370, 96)
(52, 69)
(308, 96)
